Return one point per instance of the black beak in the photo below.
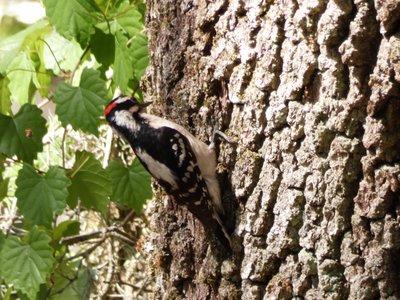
(145, 104)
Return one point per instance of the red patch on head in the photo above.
(109, 108)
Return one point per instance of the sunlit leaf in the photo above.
(127, 20)
(4, 187)
(62, 51)
(21, 71)
(5, 101)
(10, 47)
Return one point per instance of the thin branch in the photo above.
(79, 62)
(107, 151)
(127, 218)
(123, 238)
(52, 53)
(63, 146)
(25, 70)
(110, 269)
(10, 160)
(43, 103)
(88, 250)
(79, 238)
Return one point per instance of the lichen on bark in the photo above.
(309, 91)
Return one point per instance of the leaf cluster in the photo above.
(75, 59)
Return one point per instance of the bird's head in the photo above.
(124, 103)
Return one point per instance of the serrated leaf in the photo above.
(40, 197)
(123, 69)
(139, 55)
(22, 134)
(26, 263)
(5, 101)
(104, 55)
(20, 72)
(10, 47)
(127, 20)
(90, 183)
(131, 185)
(58, 49)
(72, 18)
(82, 106)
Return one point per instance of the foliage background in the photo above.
(70, 195)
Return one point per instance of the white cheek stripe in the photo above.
(157, 169)
(124, 119)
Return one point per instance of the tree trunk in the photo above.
(308, 89)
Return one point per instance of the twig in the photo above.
(88, 250)
(127, 240)
(43, 103)
(127, 218)
(79, 62)
(10, 160)
(143, 285)
(116, 232)
(107, 150)
(63, 146)
(79, 238)
(52, 53)
(110, 270)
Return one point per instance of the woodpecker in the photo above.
(184, 166)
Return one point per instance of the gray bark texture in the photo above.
(309, 90)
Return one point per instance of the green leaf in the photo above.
(10, 47)
(90, 183)
(104, 55)
(82, 106)
(127, 20)
(131, 185)
(5, 101)
(40, 197)
(66, 228)
(43, 81)
(72, 18)
(21, 72)
(2, 239)
(26, 263)
(22, 134)
(4, 188)
(80, 288)
(139, 55)
(58, 49)
(2, 166)
(123, 69)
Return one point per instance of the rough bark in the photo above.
(310, 91)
